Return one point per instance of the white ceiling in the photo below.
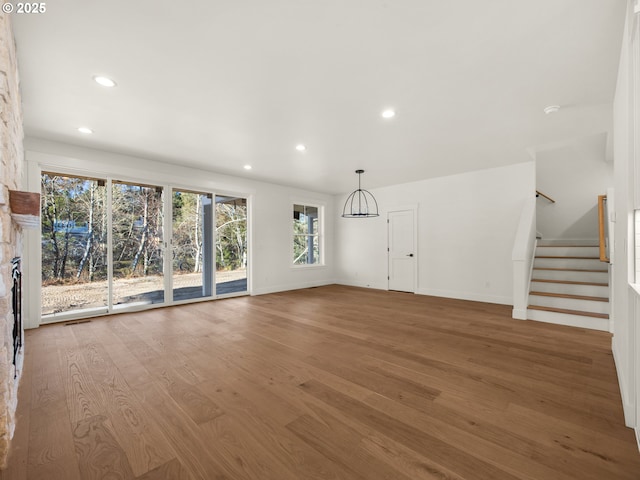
(217, 84)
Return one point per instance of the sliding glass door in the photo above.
(192, 245)
(105, 249)
(231, 245)
(137, 244)
(74, 245)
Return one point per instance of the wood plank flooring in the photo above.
(320, 384)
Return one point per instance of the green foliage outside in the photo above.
(74, 230)
(231, 233)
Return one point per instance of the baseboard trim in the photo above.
(519, 314)
(379, 286)
(474, 297)
(350, 283)
(286, 288)
(627, 407)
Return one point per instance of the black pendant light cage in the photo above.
(361, 203)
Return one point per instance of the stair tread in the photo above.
(569, 312)
(567, 257)
(571, 269)
(568, 295)
(570, 282)
(572, 246)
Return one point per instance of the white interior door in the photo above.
(401, 231)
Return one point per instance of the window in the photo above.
(191, 242)
(104, 248)
(137, 244)
(74, 244)
(231, 244)
(84, 271)
(307, 235)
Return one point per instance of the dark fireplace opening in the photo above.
(16, 300)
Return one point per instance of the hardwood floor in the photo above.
(324, 383)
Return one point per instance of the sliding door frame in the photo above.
(33, 247)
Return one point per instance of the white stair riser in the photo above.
(570, 320)
(576, 272)
(570, 304)
(600, 277)
(590, 264)
(569, 251)
(570, 289)
(566, 242)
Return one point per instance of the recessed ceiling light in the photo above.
(104, 81)
(551, 109)
(300, 147)
(85, 130)
(248, 167)
(389, 113)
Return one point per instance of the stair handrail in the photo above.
(602, 228)
(540, 194)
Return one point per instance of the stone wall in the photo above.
(11, 163)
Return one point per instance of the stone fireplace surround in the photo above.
(11, 165)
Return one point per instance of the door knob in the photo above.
(410, 255)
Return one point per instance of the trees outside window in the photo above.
(192, 244)
(74, 241)
(76, 215)
(231, 244)
(137, 243)
(306, 235)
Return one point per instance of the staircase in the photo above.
(569, 286)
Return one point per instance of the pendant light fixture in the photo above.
(361, 203)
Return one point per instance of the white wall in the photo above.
(625, 300)
(466, 229)
(573, 175)
(523, 256)
(270, 213)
